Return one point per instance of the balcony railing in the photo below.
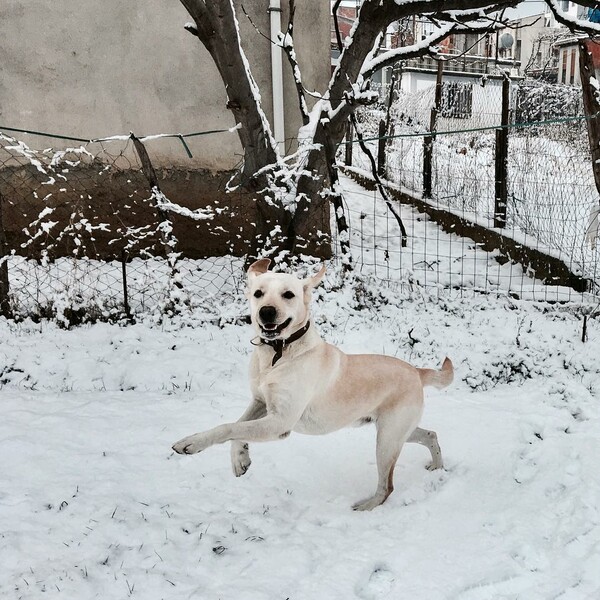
(467, 63)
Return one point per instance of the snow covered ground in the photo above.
(94, 504)
(432, 257)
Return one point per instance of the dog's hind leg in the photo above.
(429, 440)
(240, 456)
(393, 428)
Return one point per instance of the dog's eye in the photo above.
(288, 295)
(258, 294)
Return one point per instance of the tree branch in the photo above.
(572, 24)
(378, 182)
(199, 12)
(406, 52)
(217, 29)
(287, 43)
(338, 35)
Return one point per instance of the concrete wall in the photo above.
(94, 69)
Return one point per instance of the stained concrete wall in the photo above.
(93, 69)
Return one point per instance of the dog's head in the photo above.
(279, 302)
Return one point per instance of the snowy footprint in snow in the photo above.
(379, 585)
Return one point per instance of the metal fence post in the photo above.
(125, 289)
(501, 158)
(428, 140)
(4, 283)
(167, 237)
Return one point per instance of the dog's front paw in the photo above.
(240, 459)
(191, 444)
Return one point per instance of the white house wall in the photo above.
(487, 100)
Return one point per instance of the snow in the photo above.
(433, 257)
(551, 186)
(164, 204)
(95, 505)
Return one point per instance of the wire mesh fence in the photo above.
(435, 258)
(86, 235)
(551, 198)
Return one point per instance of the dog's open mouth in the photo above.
(272, 330)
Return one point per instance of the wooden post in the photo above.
(381, 143)
(395, 80)
(338, 204)
(501, 177)
(428, 140)
(349, 143)
(4, 283)
(386, 125)
(501, 174)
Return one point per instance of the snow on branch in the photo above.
(164, 204)
(574, 25)
(425, 46)
(255, 91)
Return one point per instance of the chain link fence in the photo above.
(95, 232)
(87, 235)
(551, 199)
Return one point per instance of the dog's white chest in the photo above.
(314, 421)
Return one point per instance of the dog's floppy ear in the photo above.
(259, 267)
(312, 282)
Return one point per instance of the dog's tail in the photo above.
(439, 379)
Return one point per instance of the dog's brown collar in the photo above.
(279, 345)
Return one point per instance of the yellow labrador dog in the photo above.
(301, 383)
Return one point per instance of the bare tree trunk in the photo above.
(216, 27)
(374, 17)
(591, 105)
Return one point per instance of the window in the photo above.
(457, 100)
(573, 61)
(562, 78)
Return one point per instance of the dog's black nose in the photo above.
(267, 314)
